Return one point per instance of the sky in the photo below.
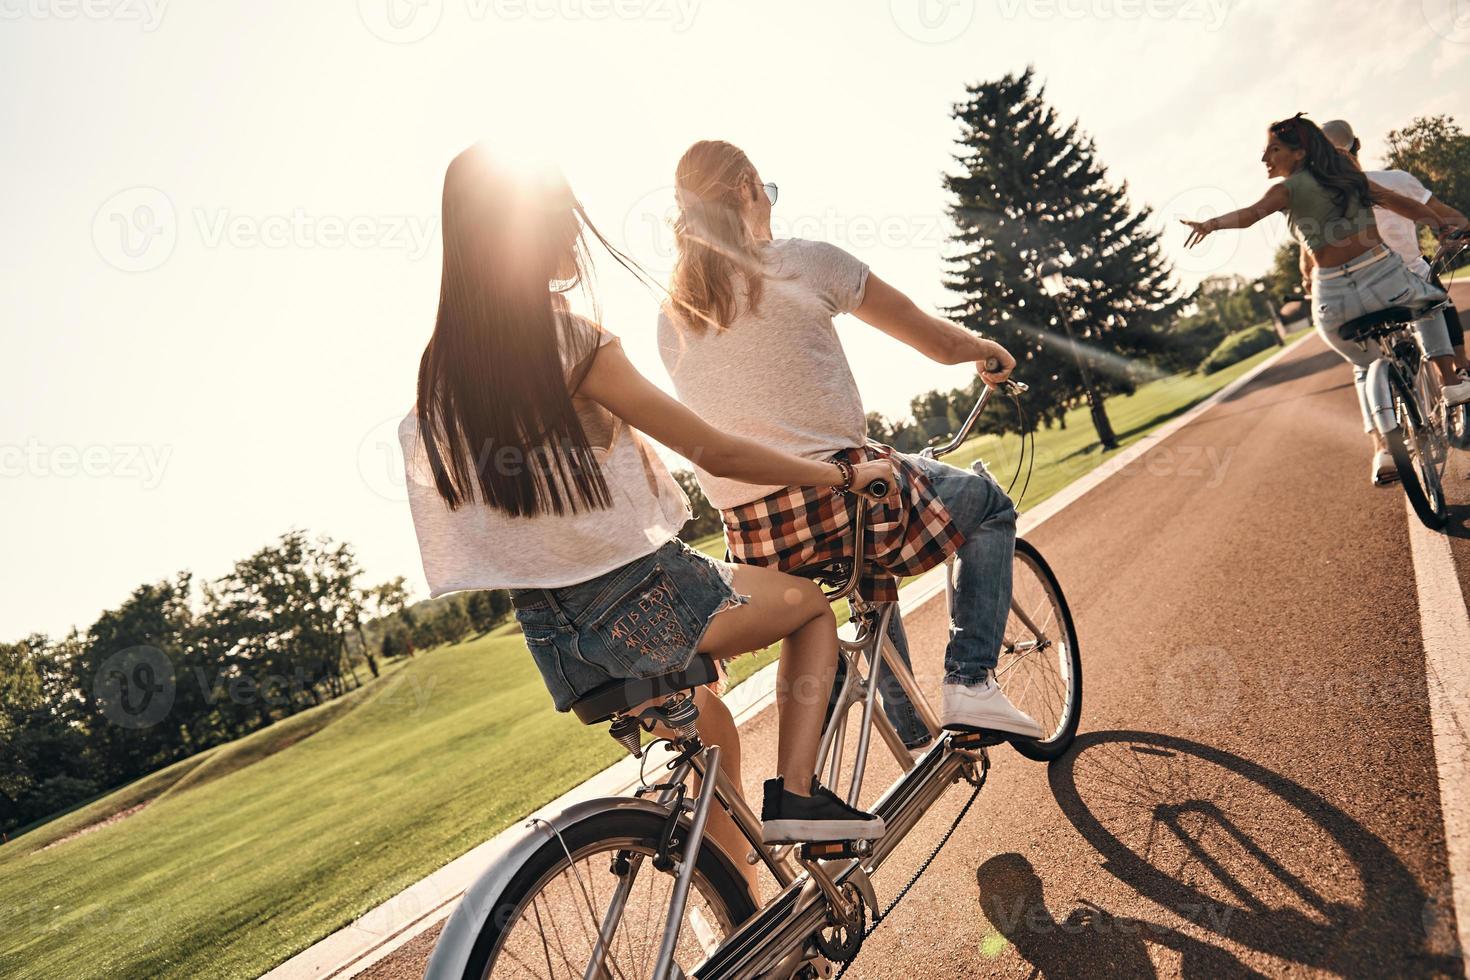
(221, 252)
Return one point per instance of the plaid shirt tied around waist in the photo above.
(909, 533)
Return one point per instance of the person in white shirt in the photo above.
(1441, 334)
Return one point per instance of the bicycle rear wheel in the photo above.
(547, 920)
(1040, 666)
(1419, 452)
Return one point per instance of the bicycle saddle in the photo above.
(601, 703)
(1380, 322)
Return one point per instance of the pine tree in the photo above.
(1031, 196)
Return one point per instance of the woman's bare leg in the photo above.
(795, 611)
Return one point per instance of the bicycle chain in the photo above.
(924, 866)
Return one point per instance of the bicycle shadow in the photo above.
(1090, 941)
(1248, 854)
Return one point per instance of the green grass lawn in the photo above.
(248, 853)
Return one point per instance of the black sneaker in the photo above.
(789, 819)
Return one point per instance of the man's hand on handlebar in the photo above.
(865, 474)
(996, 366)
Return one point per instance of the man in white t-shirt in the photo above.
(1439, 333)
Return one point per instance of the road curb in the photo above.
(382, 931)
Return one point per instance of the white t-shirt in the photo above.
(1400, 233)
(778, 375)
(480, 547)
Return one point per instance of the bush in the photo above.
(1237, 347)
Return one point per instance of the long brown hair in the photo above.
(714, 245)
(1333, 168)
(495, 408)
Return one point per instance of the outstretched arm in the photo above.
(1278, 198)
(615, 384)
(937, 339)
(1408, 207)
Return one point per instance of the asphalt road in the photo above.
(1254, 790)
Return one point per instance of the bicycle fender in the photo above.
(1380, 396)
(452, 951)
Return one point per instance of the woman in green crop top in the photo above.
(1328, 204)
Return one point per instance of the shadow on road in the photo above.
(1090, 941)
(1245, 853)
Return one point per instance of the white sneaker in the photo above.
(1384, 471)
(1457, 394)
(985, 706)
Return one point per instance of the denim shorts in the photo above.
(641, 620)
(1373, 281)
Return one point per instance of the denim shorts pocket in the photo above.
(648, 630)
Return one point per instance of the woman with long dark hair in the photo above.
(1328, 204)
(527, 471)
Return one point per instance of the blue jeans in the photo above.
(987, 518)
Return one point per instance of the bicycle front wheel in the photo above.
(599, 877)
(1040, 666)
(1418, 452)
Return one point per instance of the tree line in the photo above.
(181, 666)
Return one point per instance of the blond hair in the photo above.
(714, 245)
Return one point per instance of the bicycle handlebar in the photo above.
(879, 488)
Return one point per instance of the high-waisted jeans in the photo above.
(1373, 281)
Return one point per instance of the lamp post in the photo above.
(1276, 320)
(1054, 283)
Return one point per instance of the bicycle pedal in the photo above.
(975, 738)
(836, 850)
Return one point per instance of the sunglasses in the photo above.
(771, 191)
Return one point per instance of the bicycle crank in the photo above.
(841, 941)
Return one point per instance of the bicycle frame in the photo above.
(1379, 390)
(776, 937)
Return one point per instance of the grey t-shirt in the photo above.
(480, 547)
(777, 374)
